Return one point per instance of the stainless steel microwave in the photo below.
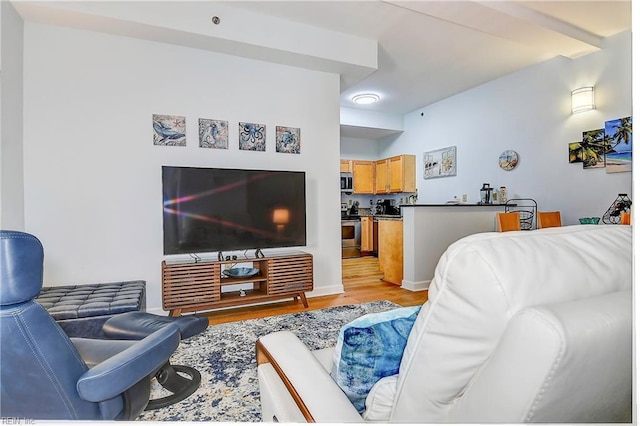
(346, 182)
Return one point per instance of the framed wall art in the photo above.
(593, 149)
(213, 133)
(618, 140)
(288, 140)
(252, 136)
(576, 152)
(440, 163)
(169, 130)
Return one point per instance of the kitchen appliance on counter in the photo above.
(350, 212)
(387, 207)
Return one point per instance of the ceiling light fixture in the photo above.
(583, 99)
(365, 99)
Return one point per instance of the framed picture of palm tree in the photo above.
(593, 149)
(618, 141)
(576, 152)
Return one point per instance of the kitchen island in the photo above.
(428, 229)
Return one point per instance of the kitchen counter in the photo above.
(502, 206)
(387, 217)
(430, 228)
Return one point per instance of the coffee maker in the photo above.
(387, 207)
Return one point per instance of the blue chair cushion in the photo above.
(370, 348)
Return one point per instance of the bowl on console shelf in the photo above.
(240, 272)
(589, 220)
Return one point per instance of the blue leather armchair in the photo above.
(46, 375)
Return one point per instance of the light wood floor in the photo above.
(362, 283)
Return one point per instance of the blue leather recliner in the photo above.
(46, 375)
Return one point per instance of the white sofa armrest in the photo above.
(315, 393)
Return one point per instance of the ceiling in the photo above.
(430, 50)
(426, 50)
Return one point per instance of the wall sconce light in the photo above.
(583, 99)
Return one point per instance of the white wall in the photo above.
(359, 149)
(93, 176)
(529, 112)
(11, 182)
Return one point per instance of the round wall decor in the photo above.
(508, 160)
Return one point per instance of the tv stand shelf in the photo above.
(198, 286)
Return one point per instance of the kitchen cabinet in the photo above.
(366, 232)
(363, 176)
(396, 174)
(346, 166)
(390, 250)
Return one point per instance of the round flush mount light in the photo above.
(365, 98)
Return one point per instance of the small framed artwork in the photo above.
(440, 163)
(169, 130)
(213, 133)
(288, 140)
(594, 151)
(576, 153)
(252, 136)
(618, 137)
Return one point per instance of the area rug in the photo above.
(225, 356)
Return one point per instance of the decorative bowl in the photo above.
(589, 220)
(240, 272)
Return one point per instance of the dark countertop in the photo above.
(387, 217)
(457, 205)
(377, 216)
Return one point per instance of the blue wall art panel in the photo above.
(618, 139)
(213, 133)
(252, 136)
(288, 140)
(169, 130)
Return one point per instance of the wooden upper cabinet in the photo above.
(363, 176)
(396, 174)
(382, 176)
(346, 166)
(402, 173)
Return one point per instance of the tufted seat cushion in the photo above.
(81, 310)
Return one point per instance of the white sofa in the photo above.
(530, 326)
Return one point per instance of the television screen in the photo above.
(208, 210)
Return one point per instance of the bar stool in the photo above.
(508, 221)
(549, 219)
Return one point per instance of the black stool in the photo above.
(137, 326)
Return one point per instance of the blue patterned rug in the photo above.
(225, 356)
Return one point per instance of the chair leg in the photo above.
(180, 386)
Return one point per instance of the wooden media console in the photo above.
(199, 286)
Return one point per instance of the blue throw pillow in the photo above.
(370, 348)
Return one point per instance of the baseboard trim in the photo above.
(415, 286)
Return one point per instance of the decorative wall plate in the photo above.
(508, 160)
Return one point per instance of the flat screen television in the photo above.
(215, 210)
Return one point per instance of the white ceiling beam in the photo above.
(239, 33)
(520, 11)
